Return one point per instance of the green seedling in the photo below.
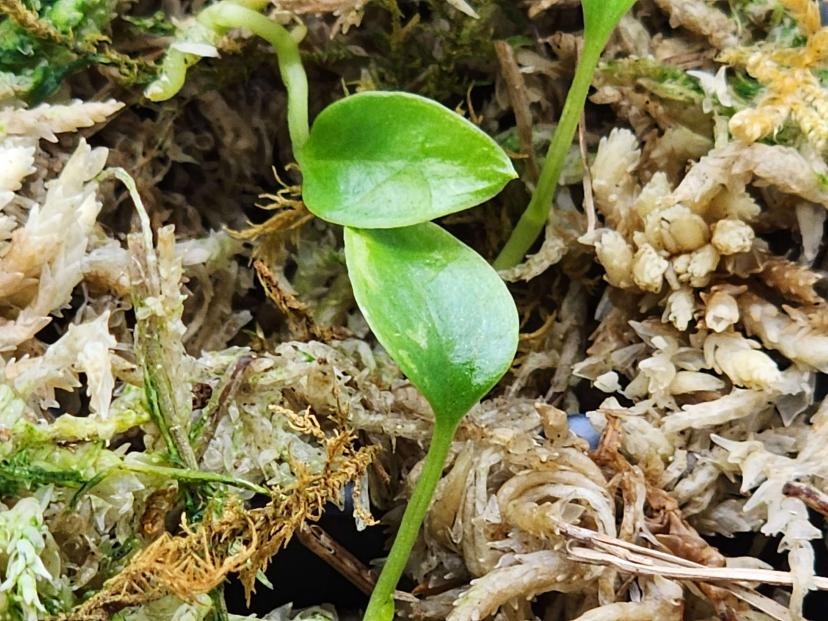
(384, 165)
(600, 19)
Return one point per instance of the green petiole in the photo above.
(381, 604)
(600, 19)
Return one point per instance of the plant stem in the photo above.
(194, 476)
(381, 604)
(533, 220)
(230, 15)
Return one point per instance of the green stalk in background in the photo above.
(226, 15)
(600, 19)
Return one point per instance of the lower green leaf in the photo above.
(438, 308)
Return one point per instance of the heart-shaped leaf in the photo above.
(441, 311)
(387, 159)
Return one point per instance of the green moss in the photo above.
(664, 81)
(27, 471)
(745, 87)
(156, 24)
(789, 135)
(442, 57)
(41, 43)
(80, 17)
(786, 33)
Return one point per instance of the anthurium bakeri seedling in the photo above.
(600, 19)
(384, 164)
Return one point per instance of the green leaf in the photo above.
(384, 160)
(441, 311)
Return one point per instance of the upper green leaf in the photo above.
(383, 160)
(438, 308)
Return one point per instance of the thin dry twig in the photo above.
(589, 201)
(516, 89)
(300, 320)
(604, 550)
(315, 539)
(815, 499)
(218, 403)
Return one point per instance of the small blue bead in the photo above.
(581, 427)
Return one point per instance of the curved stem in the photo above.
(230, 15)
(171, 77)
(533, 220)
(381, 604)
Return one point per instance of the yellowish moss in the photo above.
(792, 88)
(236, 540)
